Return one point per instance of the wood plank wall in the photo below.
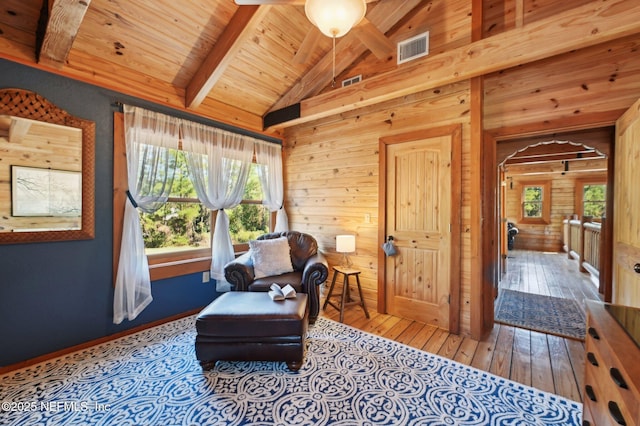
(331, 175)
(589, 85)
(331, 166)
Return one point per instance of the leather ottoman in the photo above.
(249, 326)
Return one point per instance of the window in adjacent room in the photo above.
(536, 202)
(592, 198)
(532, 207)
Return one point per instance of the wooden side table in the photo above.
(345, 299)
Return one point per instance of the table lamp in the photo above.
(346, 244)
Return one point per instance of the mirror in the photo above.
(46, 171)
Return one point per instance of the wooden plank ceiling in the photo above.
(198, 55)
(236, 63)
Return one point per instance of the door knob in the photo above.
(636, 268)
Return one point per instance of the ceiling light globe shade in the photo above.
(334, 18)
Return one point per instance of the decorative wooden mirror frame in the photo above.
(26, 104)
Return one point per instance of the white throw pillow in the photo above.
(270, 257)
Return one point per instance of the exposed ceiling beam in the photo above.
(580, 27)
(239, 31)
(374, 39)
(382, 16)
(62, 19)
(308, 45)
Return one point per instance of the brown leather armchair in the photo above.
(310, 270)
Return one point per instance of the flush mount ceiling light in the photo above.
(334, 18)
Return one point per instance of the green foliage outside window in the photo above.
(594, 200)
(532, 201)
(249, 220)
(178, 224)
(184, 223)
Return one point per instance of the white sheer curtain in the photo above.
(219, 163)
(152, 142)
(269, 159)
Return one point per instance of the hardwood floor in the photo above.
(550, 363)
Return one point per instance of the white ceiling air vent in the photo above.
(352, 80)
(413, 48)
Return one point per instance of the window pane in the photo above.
(176, 226)
(532, 205)
(248, 221)
(253, 190)
(179, 226)
(182, 185)
(594, 200)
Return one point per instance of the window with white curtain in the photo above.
(182, 178)
(184, 224)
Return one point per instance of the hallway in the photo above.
(549, 274)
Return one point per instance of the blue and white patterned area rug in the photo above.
(349, 378)
(553, 315)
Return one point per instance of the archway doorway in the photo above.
(545, 185)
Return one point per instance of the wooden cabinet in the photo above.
(612, 365)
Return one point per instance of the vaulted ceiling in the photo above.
(236, 64)
(200, 55)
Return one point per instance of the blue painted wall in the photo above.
(56, 295)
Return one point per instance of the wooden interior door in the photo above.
(418, 214)
(626, 226)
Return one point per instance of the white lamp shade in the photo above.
(334, 18)
(345, 243)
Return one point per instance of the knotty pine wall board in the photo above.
(332, 176)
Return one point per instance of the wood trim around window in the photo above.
(119, 186)
(546, 202)
(160, 266)
(579, 194)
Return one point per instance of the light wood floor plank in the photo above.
(541, 377)
(486, 347)
(436, 341)
(423, 336)
(398, 328)
(564, 378)
(501, 362)
(576, 350)
(521, 358)
(466, 351)
(410, 332)
(450, 346)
